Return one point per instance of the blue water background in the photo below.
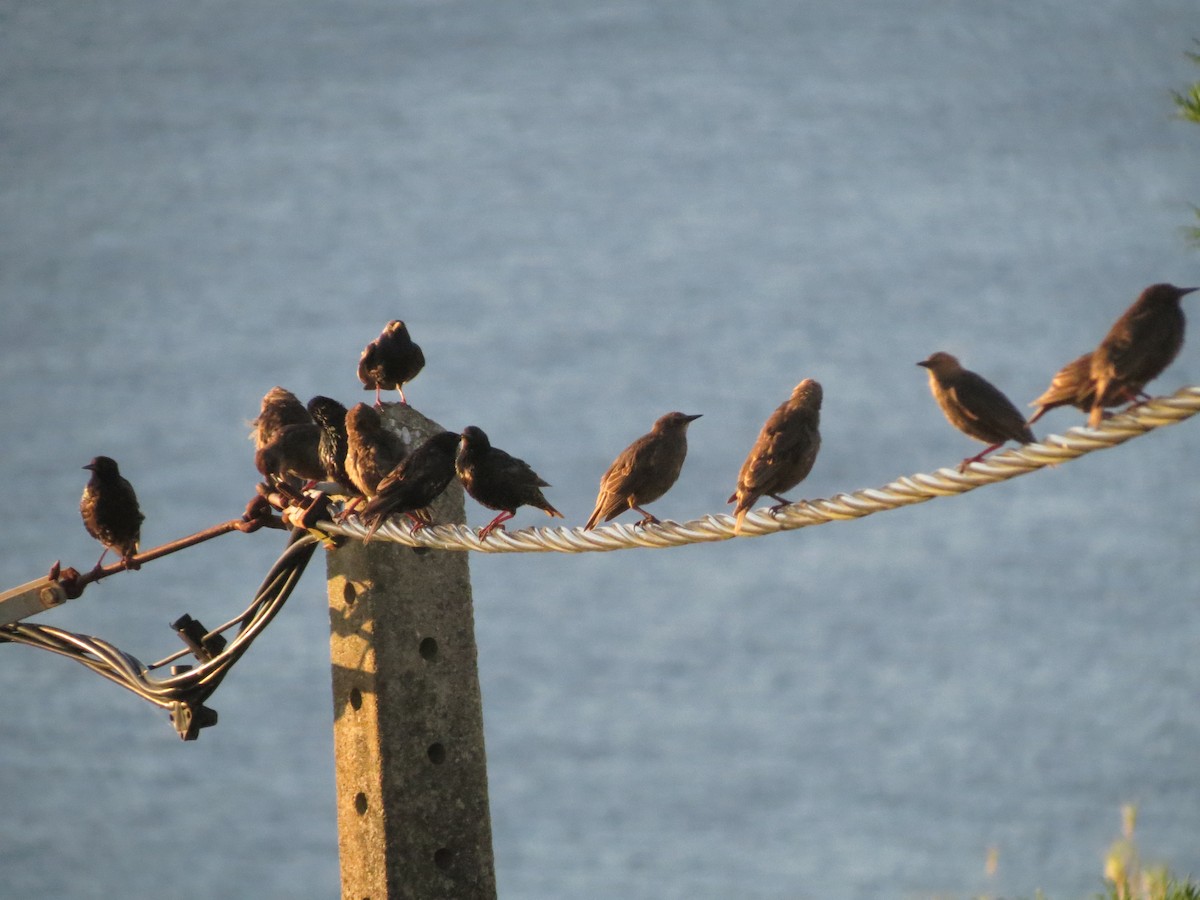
(590, 214)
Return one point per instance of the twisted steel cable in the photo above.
(904, 491)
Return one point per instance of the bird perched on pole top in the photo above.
(1138, 347)
(974, 406)
(414, 483)
(110, 511)
(497, 480)
(784, 452)
(644, 471)
(390, 361)
(372, 450)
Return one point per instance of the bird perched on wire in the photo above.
(784, 452)
(418, 480)
(110, 511)
(372, 449)
(1138, 347)
(330, 416)
(1071, 385)
(390, 361)
(497, 480)
(280, 408)
(293, 456)
(974, 406)
(644, 471)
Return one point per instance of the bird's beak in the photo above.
(1185, 291)
(89, 466)
(693, 418)
(924, 363)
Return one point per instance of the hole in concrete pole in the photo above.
(437, 754)
(355, 698)
(443, 858)
(429, 649)
(360, 803)
(349, 593)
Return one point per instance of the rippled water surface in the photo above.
(590, 214)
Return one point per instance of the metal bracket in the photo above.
(30, 599)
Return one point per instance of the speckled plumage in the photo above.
(418, 480)
(279, 409)
(784, 452)
(330, 417)
(390, 361)
(644, 471)
(974, 406)
(110, 510)
(372, 450)
(1138, 347)
(293, 454)
(497, 480)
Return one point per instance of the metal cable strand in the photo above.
(904, 491)
(198, 683)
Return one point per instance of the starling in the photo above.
(1072, 385)
(1139, 346)
(294, 453)
(279, 408)
(372, 450)
(330, 417)
(390, 361)
(414, 483)
(110, 511)
(974, 406)
(784, 453)
(497, 480)
(644, 471)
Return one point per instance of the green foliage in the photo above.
(1187, 102)
(1129, 878)
(1187, 107)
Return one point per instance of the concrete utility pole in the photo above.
(412, 801)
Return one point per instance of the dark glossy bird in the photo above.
(414, 483)
(110, 511)
(390, 361)
(372, 449)
(1138, 347)
(497, 480)
(974, 406)
(644, 471)
(330, 416)
(293, 454)
(784, 452)
(280, 408)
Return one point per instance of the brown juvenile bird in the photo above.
(372, 450)
(974, 406)
(644, 471)
(1138, 347)
(784, 453)
(110, 511)
(293, 454)
(390, 361)
(414, 483)
(280, 408)
(1072, 385)
(330, 417)
(497, 480)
